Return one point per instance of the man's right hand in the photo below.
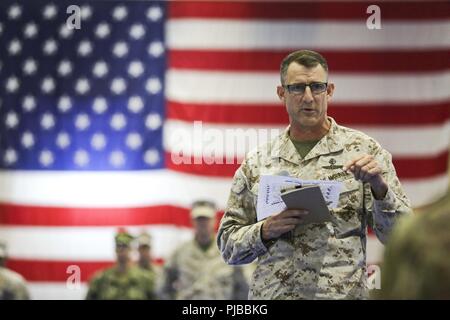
(283, 222)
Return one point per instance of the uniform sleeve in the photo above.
(22, 292)
(387, 211)
(19, 289)
(239, 235)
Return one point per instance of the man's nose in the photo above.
(307, 96)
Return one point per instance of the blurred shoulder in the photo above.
(355, 140)
(10, 276)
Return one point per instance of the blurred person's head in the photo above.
(417, 258)
(203, 214)
(144, 249)
(3, 253)
(123, 242)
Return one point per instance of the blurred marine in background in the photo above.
(12, 284)
(196, 270)
(144, 250)
(417, 259)
(145, 259)
(124, 280)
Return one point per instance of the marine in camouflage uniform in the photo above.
(12, 285)
(123, 281)
(145, 257)
(314, 261)
(144, 250)
(196, 270)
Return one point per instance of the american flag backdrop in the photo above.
(88, 116)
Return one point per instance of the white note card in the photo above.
(270, 187)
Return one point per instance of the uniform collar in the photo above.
(284, 148)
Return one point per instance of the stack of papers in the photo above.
(278, 193)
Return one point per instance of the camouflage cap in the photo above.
(144, 239)
(2, 249)
(203, 209)
(123, 238)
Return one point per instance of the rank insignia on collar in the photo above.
(332, 165)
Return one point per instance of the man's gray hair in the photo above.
(307, 58)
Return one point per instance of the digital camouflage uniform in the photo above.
(145, 240)
(416, 262)
(111, 284)
(194, 274)
(315, 261)
(12, 286)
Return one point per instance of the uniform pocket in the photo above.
(349, 193)
(350, 200)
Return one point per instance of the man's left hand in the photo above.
(366, 169)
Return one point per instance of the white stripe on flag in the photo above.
(56, 291)
(375, 250)
(325, 34)
(410, 141)
(260, 87)
(117, 189)
(85, 243)
(423, 192)
(110, 189)
(237, 140)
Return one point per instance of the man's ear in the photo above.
(280, 93)
(330, 91)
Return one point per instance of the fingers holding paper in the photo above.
(285, 221)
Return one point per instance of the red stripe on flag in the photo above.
(307, 10)
(338, 61)
(56, 271)
(407, 168)
(197, 166)
(12, 214)
(426, 167)
(395, 114)
(63, 216)
(349, 114)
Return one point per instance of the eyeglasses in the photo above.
(299, 88)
